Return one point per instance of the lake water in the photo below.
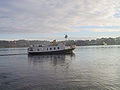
(89, 68)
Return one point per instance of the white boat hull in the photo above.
(64, 51)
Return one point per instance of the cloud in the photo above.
(51, 16)
(98, 28)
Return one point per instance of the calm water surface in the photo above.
(90, 68)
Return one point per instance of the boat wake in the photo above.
(13, 54)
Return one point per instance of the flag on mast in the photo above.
(66, 36)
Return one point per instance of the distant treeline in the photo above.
(21, 43)
(99, 41)
(26, 43)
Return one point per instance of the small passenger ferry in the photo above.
(53, 48)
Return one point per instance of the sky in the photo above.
(51, 19)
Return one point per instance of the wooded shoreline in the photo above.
(26, 43)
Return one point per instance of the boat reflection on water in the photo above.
(53, 59)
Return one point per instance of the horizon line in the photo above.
(59, 40)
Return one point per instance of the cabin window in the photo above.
(50, 48)
(31, 49)
(54, 48)
(40, 46)
(58, 48)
